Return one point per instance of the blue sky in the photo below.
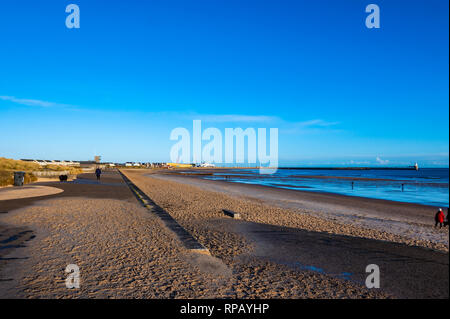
(339, 93)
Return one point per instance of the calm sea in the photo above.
(428, 186)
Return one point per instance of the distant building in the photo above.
(178, 165)
(53, 162)
(207, 165)
(158, 165)
(88, 164)
(133, 164)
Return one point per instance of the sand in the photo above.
(125, 251)
(404, 222)
(299, 240)
(121, 250)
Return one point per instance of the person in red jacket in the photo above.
(439, 218)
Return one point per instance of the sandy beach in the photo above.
(402, 222)
(125, 251)
(327, 244)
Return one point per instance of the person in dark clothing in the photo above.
(439, 218)
(98, 172)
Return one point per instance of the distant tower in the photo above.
(97, 159)
(416, 166)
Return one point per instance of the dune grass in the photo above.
(70, 169)
(9, 166)
(7, 178)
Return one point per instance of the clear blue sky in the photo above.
(338, 92)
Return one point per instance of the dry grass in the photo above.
(7, 178)
(71, 170)
(8, 166)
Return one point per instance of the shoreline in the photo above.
(409, 220)
(405, 190)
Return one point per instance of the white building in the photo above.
(52, 162)
(207, 165)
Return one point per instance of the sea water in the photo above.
(427, 186)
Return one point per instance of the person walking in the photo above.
(439, 218)
(98, 172)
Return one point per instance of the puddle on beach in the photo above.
(343, 275)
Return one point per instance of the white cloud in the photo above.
(285, 126)
(352, 162)
(222, 118)
(310, 126)
(382, 161)
(30, 102)
(315, 123)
